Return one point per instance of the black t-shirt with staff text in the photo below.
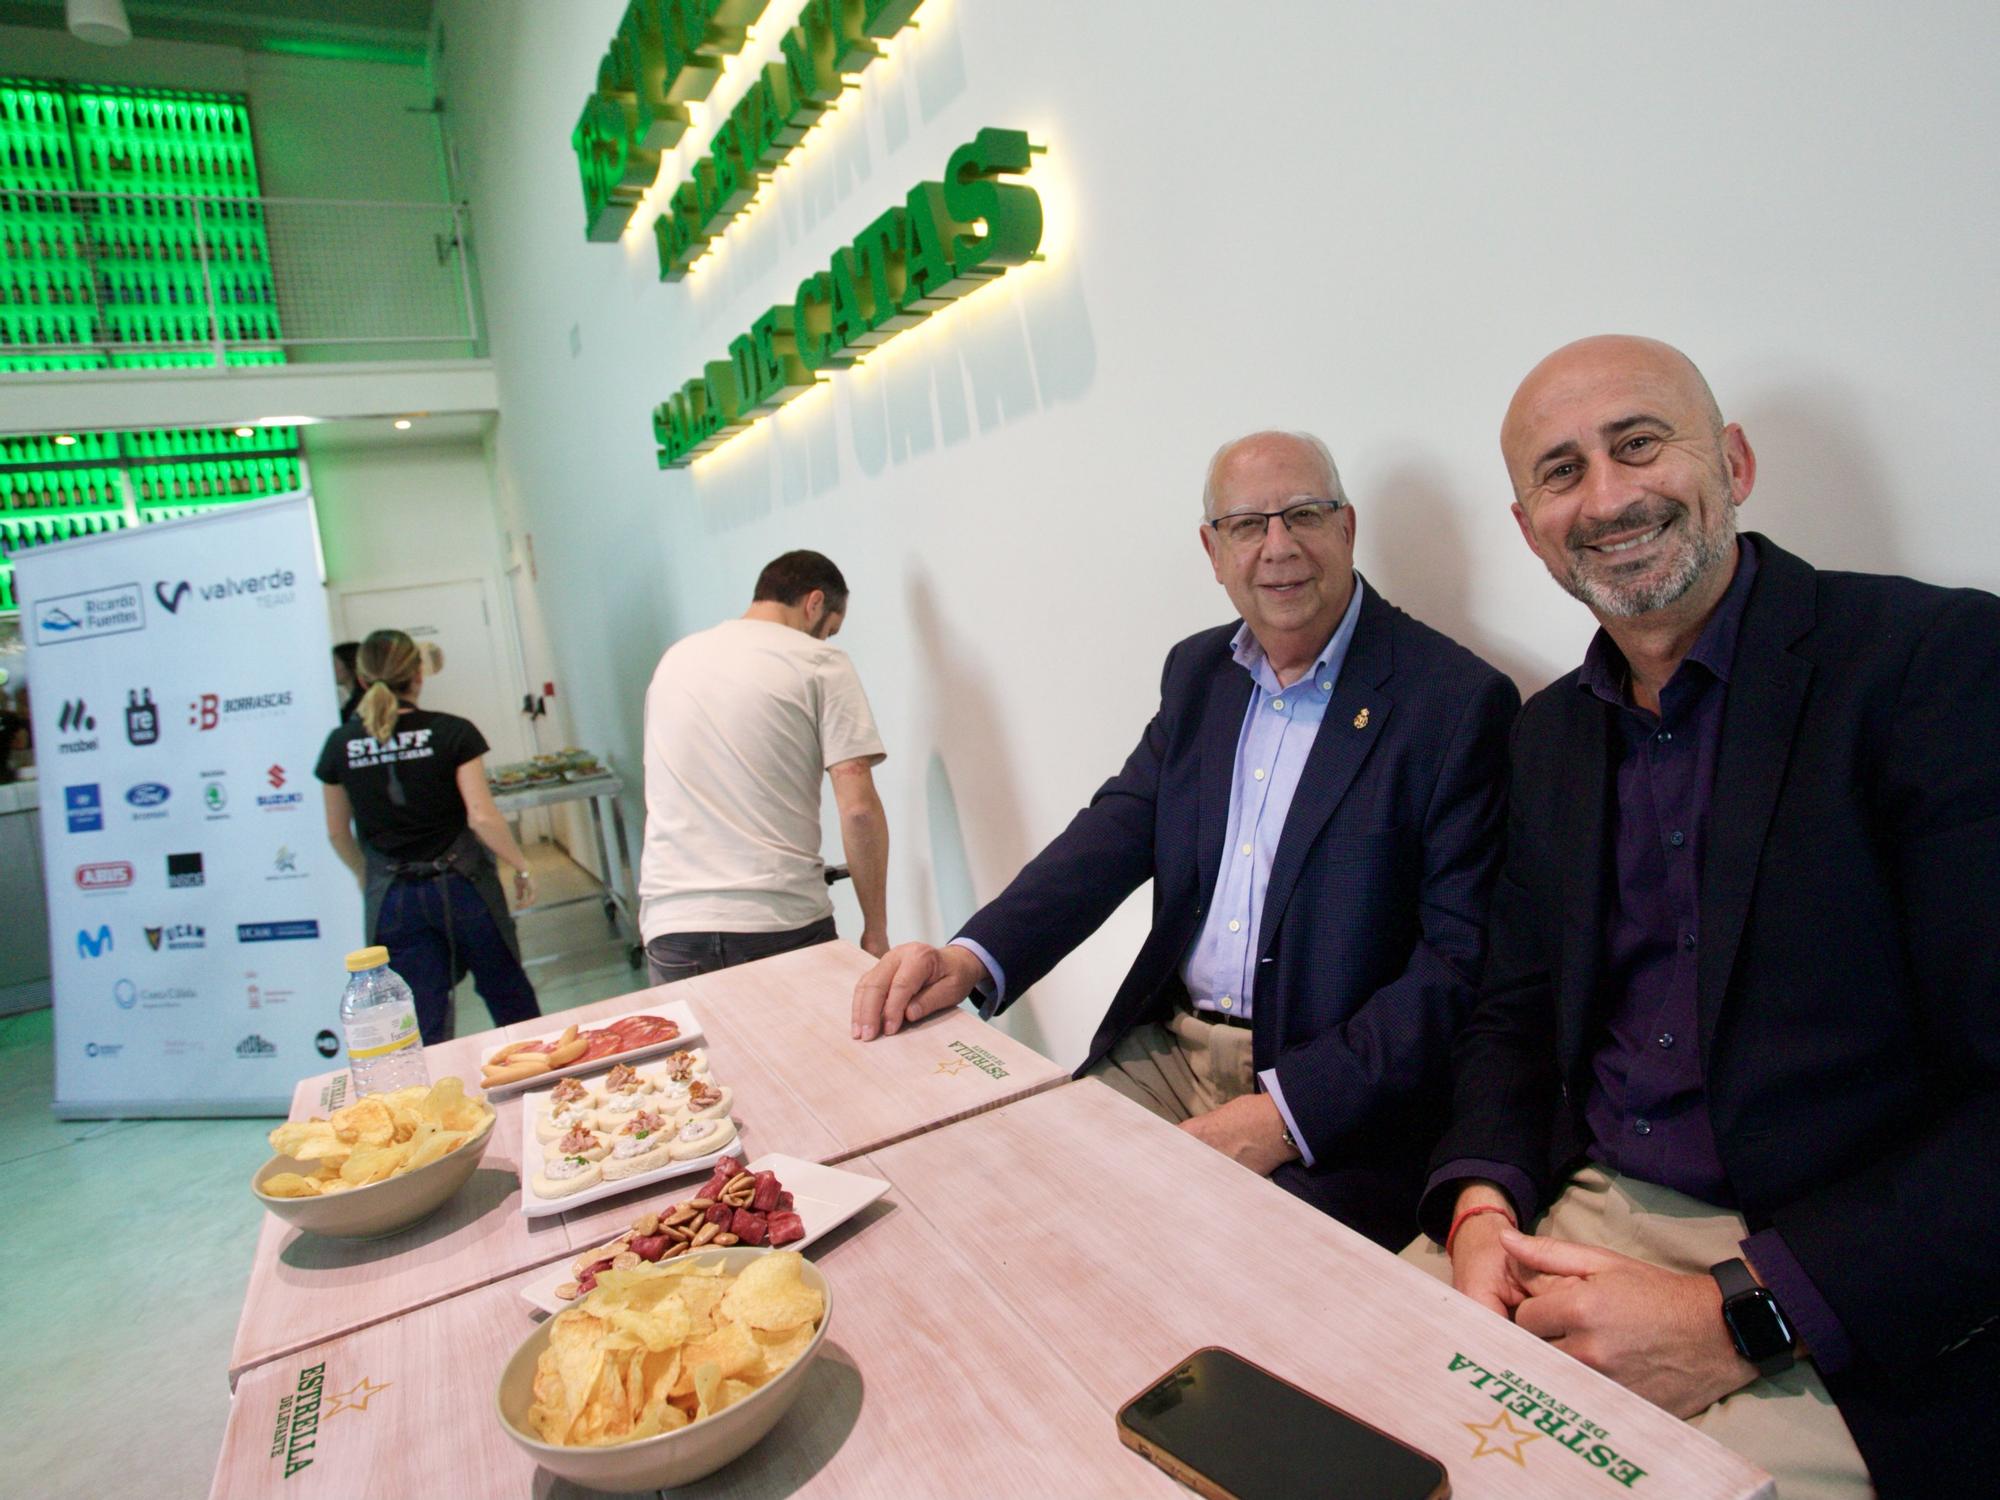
(405, 793)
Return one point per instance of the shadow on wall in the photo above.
(1011, 351)
(965, 731)
(1820, 490)
(1411, 523)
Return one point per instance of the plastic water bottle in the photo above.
(385, 1051)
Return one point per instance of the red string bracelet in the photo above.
(1471, 1213)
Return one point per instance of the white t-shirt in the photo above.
(742, 722)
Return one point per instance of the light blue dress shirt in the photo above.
(1278, 731)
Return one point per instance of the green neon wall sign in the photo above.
(664, 54)
(834, 40)
(944, 241)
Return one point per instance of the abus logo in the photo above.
(171, 599)
(93, 944)
(254, 1045)
(108, 875)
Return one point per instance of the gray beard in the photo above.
(1623, 601)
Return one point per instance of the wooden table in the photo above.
(928, 1384)
(1122, 1245)
(793, 1011)
(305, 1289)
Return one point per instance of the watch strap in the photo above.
(1734, 1277)
(1738, 1286)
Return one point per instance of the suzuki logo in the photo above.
(75, 718)
(277, 776)
(171, 600)
(93, 946)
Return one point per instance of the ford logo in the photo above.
(147, 794)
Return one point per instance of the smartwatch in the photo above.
(1757, 1325)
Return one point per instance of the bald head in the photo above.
(1254, 448)
(1652, 375)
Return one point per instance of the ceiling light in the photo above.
(100, 21)
(402, 424)
(64, 440)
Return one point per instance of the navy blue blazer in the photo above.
(1373, 928)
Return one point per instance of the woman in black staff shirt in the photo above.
(414, 784)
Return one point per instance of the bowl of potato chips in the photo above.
(377, 1165)
(665, 1372)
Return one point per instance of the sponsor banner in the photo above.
(183, 695)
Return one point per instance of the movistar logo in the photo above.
(93, 945)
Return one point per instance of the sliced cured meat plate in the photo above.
(655, 1028)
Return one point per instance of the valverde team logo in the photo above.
(970, 1056)
(1543, 1416)
(309, 1406)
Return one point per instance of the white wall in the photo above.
(1365, 220)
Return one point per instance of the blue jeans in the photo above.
(433, 956)
(682, 955)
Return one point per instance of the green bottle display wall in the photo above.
(104, 276)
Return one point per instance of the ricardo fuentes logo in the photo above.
(308, 1407)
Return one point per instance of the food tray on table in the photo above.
(630, 1127)
(641, 1042)
(823, 1197)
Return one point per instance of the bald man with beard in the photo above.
(1736, 1049)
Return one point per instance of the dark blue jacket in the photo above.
(1373, 928)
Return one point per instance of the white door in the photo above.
(477, 682)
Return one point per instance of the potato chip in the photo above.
(435, 1146)
(770, 1294)
(293, 1136)
(370, 1164)
(290, 1185)
(443, 1100)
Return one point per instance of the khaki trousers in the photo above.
(1785, 1424)
(1182, 1068)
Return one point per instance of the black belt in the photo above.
(1221, 1018)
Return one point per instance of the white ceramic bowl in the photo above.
(672, 1458)
(367, 1213)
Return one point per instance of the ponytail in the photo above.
(389, 663)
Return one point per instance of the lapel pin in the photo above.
(1361, 719)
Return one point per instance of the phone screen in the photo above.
(1262, 1439)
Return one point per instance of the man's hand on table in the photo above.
(1248, 1130)
(1480, 1265)
(910, 982)
(1656, 1332)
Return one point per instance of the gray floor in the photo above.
(125, 1246)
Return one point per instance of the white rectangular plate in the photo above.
(677, 1011)
(824, 1198)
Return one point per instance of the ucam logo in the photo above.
(83, 807)
(93, 944)
(76, 719)
(106, 875)
(77, 617)
(180, 937)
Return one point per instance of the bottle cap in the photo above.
(367, 958)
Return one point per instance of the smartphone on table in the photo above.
(1231, 1430)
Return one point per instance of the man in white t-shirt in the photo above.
(741, 722)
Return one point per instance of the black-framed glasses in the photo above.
(1246, 528)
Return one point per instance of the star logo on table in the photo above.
(952, 1066)
(355, 1398)
(1501, 1436)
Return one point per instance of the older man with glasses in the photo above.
(1318, 803)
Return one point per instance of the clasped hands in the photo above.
(914, 980)
(1656, 1332)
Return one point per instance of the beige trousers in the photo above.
(1785, 1424)
(1182, 1068)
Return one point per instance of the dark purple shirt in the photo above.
(1646, 1106)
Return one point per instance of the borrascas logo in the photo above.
(206, 711)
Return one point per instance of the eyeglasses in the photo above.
(1303, 518)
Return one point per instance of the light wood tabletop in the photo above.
(1124, 1244)
(928, 1384)
(793, 1010)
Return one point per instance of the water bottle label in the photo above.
(380, 1030)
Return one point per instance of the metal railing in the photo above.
(131, 280)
